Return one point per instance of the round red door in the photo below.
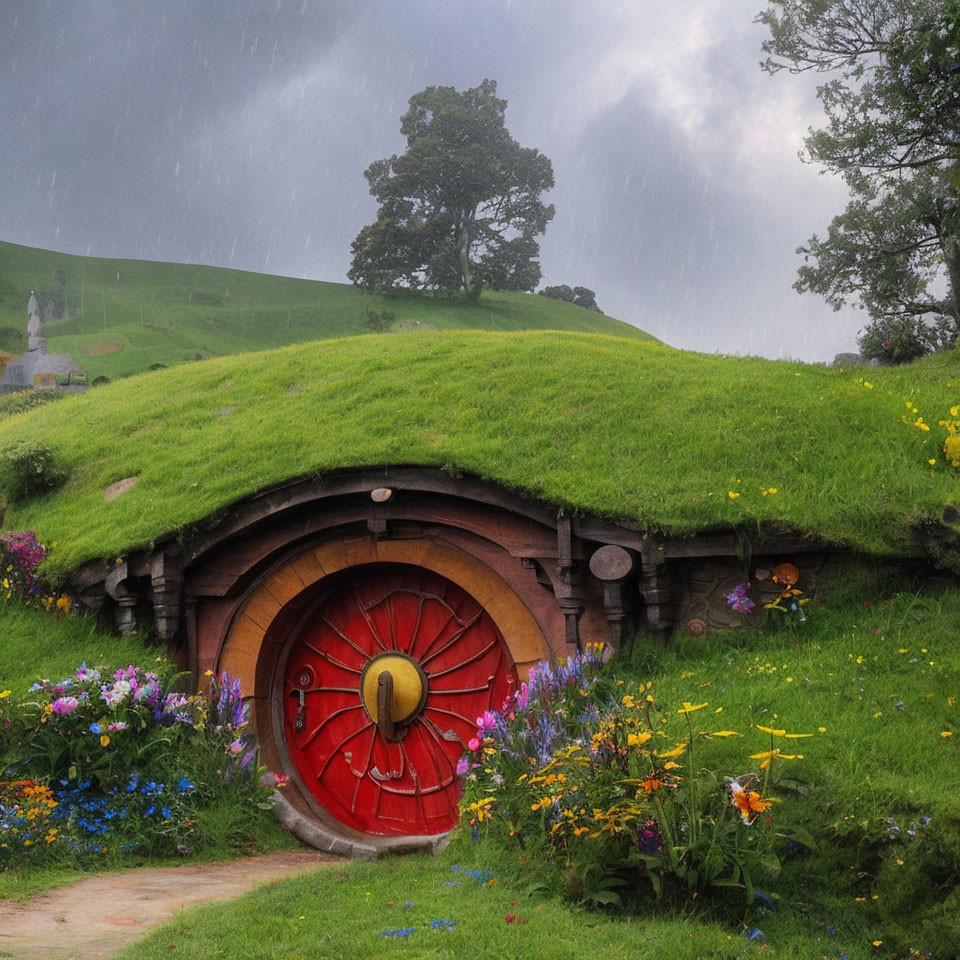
(381, 692)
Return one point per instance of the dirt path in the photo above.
(101, 915)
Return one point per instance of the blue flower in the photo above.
(165, 812)
(96, 728)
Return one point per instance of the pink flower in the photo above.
(463, 765)
(487, 722)
(473, 744)
(523, 697)
(65, 705)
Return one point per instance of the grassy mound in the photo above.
(672, 441)
(137, 313)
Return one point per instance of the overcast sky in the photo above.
(236, 133)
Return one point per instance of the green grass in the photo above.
(35, 645)
(149, 312)
(613, 427)
(341, 912)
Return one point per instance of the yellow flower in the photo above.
(4, 694)
(637, 739)
(768, 756)
(796, 736)
(675, 752)
(733, 495)
(932, 462)
(774, 733)
(946, 733)
(690, 708)
(725, 733)
(104, 740)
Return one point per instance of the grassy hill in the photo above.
(669, 440)
(126, 315)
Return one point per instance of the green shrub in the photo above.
(28, 468)
(14, 403)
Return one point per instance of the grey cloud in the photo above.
(236, 132)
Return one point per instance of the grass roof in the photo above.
(673, 441)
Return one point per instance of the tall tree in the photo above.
(461, 207)
(893, 134)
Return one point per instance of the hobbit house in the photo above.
(372, 615)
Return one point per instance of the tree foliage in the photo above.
(581, 296)
(893, 133)
(461, 207)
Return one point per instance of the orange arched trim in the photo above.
(241, 648)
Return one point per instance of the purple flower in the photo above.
(463, 765)
(65, 705)
(738, 599)
(522, 697)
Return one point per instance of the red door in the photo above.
(381, 692)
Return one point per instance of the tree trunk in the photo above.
(463, 250)
(951, 255)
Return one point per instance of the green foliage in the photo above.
(893, 109)
(579, 296)
(460, 209)
(28, 468)
(13, 403)
(378, 322)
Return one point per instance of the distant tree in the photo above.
(377, 322)
(461, 207)
(893, 134)
(581, 296)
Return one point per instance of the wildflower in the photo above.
(768, 756)
(738, 598)
(473, 744)
(725, 733)
(4, 694)
(946, 733)
(748, 802)
(733, 495)
(487, 722)
(65, 705)
(690, 708)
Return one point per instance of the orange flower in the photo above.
(748, 802)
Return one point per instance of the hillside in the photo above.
(668, 440)
(137, 313)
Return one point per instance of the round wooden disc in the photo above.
(611, 563)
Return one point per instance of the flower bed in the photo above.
(127, 763)
(619, 793)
